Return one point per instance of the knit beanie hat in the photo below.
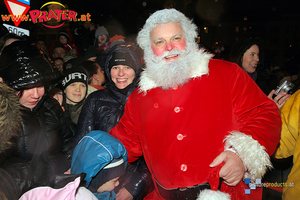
(113, 170)
(100, 31)
(64, 33)
(73, 75)
(116, 40)
(122, 58)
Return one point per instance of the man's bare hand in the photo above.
(233, 170)
(123, 194)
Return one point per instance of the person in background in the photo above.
(101, 55)
(91, 53)
(84, 36)
(73, 63)
(102, 39)
(75, 91)
(41, 44)
(104, 108)
(58, 51)
(44, 145)
(65, 38)
(248, 54)
(103, 158)
(59, 63)
(218, 51)
(95, 75)
(193, 117)
(58, 94)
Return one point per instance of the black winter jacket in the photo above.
(102, 111)
(44, 145)
(43, 148)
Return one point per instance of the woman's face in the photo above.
(31, 96)
(63, 39)
(122, 75)
(75, 92)
(250, 59)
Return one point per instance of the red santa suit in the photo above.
(180, 131)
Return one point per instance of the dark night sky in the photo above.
(130, 15)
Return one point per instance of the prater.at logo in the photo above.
(18, 14)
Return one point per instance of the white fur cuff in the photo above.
(255, 158)
(213, 195)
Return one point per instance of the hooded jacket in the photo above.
(43, 147)
(289, 144)
(104, 108)
(102, 111)
(93, 152)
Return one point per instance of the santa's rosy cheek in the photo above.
(158, 51)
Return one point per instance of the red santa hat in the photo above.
(226, 192)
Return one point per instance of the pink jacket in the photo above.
(69, 192)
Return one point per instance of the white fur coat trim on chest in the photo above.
(199, 66)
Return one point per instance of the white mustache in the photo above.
(167, 53)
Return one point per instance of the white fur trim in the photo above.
(253, 155)
(213, 195)
(199, 67)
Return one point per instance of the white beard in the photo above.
(170, 74)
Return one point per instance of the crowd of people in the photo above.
(96, 117)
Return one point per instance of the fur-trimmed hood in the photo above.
(199, 67)
(10, 116)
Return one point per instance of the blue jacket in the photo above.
(93, 152)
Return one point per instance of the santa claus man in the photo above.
(200, 123)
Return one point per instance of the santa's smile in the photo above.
(171, 57)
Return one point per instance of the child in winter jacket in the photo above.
(103, 158)
(75, 91)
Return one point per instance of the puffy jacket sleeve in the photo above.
(137, 179)
(289, 144)
(290, 116)
(86, 122)
(67, 127)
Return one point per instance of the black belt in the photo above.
(189, 193)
